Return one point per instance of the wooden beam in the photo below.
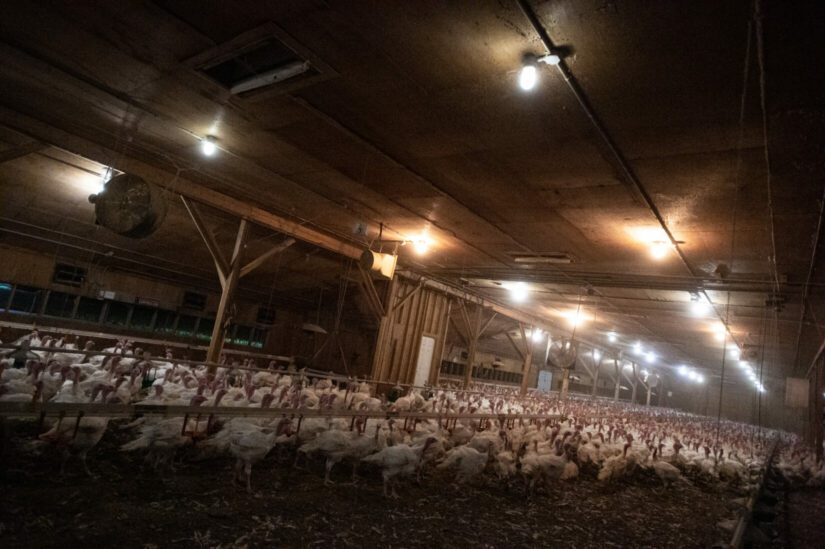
(408, 296)
(597, 366)
(487, 324)
(123, 161)
(617, 380)
(19, 151)
(527, 357)
(471, 351)
(258, 261)
(368, 286)
(228, 293)
(208, 238)
(515, 345)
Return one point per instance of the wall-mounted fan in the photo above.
(130, 206)
(562, 353)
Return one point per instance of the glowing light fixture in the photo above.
(612, 337)
(209, 146)
(650, 357)
(683, 370)
(700, 378)
(518, 291)
(421, 245)
(575, 317)
(659, 249)
(597, 355)
(528, 77)
(637, 348)
(719, 331)
(536, 335)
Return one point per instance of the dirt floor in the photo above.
(197, 506)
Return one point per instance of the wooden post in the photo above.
(633, 383)
(219, 330)
(595, 376)
(473, 329)
(565, 383)
(618, 379)
(528, 357)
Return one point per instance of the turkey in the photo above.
(398, 461)
(469, 462)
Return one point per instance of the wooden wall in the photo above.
(411, 316)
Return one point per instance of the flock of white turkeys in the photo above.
(610, 440)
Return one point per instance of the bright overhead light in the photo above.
(637, 348)
(719, 331)
(518, 291)
(650, 357)
(700, 378)
(683, 370)
(612, 337)
(597, 355)
(575, 317)
(535, 335)
(658, 250)
(421, 245)
(528, 76)
(208, 145)
(699, 308)
(744, 364)
(735, 353)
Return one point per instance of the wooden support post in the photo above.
(221, 320)
(618, 380)
(633, 383)
(597, 366)
(527, 357)
(565, 382)
(473, 331)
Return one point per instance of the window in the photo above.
(194, 301)
(186, 325)
(117, 313)
(89, 309)
(258, 338)
(26, 299)
(205, 326)
(165, 321)
(142, 317)
(242, 335)
(5, 293)
(60, 304)
(68, 275)
(266, 316)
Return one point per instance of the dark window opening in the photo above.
(68, 275)
(265, 316)
(194, 301)
(205, 326)
(186, 325)
(255, 59)
(26, 299)
(165, 321)
(142, 317)
(117, 313)
(5, 293)
(242, 335)
(60, 304)
(89, 309)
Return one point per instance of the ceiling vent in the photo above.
(542, 258)
(260, 63)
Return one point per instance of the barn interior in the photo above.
(593, 209)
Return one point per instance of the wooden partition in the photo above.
(413, 313)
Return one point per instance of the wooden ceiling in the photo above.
(417, 125)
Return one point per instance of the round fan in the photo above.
(129, 206)
(562, 353)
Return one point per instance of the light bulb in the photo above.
(650, 357)
(637, 348)
(518, 291)
(698, 308)
(208, 146)
(683, 370)
(536, 335)
(700, 378)
(612, 337)
(658, 250)
(597, 355)
(528, 77)
(421, 246)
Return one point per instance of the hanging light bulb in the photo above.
(637, 348)
(612, 337)
(208, 145)
(518, 291)
(536, 335)
(658, 250)
(528, 77)
(597, 355)
(650, 357)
